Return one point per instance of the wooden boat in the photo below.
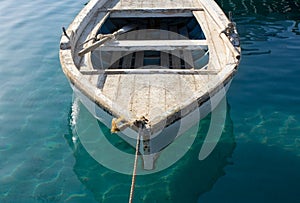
(150, 69)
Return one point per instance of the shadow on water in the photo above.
(185, 181)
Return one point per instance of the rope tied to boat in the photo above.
(231, 32)
(141, 124)
(115, 127)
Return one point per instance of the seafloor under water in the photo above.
(257, 159)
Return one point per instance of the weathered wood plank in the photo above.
(125, 90)
(188, 81)
(214, 59)
(176, 57)
(154, 4)
(157, 100)
(110, 87)
(127, 59)
(187, 55)
(157, 45)
(139, 56)
(216, 14)
(164, 56)
(140, 97)
(148, 13)
(152, 71)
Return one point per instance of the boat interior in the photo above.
(161, 43)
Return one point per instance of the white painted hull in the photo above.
(162, 139)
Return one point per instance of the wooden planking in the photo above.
(92, 78)
(173, 91)
(176, 62)
(127, 59)
(148, 45)
(217, 15)
(139, 56)
(187, 55)
(97, 80)
(154, 94)
(110, 87)
(218, 42)
(152, 71)
(140, 97)
(126, 87)
(187, 80)
(177, 89)
(150, 13)
(214, 59)
(155, 4)
(157, 100)
(202, 82)
(151, 95)
(164, 56)
(188, 87)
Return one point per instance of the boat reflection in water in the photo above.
(184, 181)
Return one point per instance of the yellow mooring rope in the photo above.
(134, 167)
(140, 123)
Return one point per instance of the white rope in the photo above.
(134, 167)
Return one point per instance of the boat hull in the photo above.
(131, 87)
(167, 134)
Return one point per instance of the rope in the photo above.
(134, 167)
(140, 123)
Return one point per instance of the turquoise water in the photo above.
(256, 160)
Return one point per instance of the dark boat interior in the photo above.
(165, 28)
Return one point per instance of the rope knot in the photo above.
(141, 123)
(115, 127)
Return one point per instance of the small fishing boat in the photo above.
(150, 70)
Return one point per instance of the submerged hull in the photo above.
(169, 71)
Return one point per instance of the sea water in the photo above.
(42, 159)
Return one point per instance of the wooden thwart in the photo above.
(151, 71)
(153, 45)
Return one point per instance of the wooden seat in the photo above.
(153, 45)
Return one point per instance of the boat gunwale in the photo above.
(92, 92)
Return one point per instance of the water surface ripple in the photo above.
(257, 160)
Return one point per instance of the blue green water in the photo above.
(256, 160)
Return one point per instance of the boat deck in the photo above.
(150, 91)
(176, 80)
(151, 95)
